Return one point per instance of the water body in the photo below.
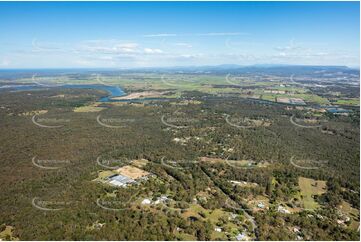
(113, 91)
(24, 87)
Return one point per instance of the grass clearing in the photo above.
(351, 212)
(132, 172)
(7, 234)
(104, 174)
(88, 109)
(309, 188)
(236, 163)
(185, 237)
(140, 163)
(215, 217)
(351, 102)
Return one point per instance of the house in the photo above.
(260, 205)
(146, 201)
(218, 229)
(296, 229)
(161, 199)
(283, 210)
(232, 216)
(241, 236)
(275, 91)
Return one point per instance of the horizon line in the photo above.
(185, 66)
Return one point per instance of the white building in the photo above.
(218, 229)
(241, 236)
(146, 201)
(283, 210)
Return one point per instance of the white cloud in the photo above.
(126, 48)
(117, 48)
(292, 46)
(152, 51)
(160, 35)
(109, 47)
(46, 46)
(128, 45)
(5, 62)
(183, 45)
(127, 53)
(197, 34)
(221, 34)
(189, 56)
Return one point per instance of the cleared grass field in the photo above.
(213, 216)
(140, 163)
(104, 174)
(351, 102)
(353, 213)
(88, 109)
(309, 188)
(132, 172)
(7, 234)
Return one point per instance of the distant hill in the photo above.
(276, 69)
(259, 68)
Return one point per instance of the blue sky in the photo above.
(143, 34)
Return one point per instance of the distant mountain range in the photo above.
(277, 69)
(259, 68)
